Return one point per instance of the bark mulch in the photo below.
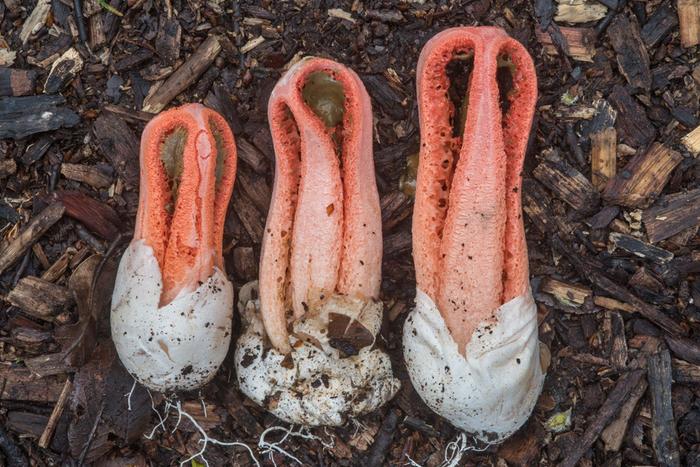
(611, 197)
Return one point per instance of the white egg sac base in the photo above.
(492, 391)
(176, 347)
(314, 385)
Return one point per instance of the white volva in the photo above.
(314, 385)
(492, 391)
(176, 347)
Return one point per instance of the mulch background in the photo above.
(613, 265)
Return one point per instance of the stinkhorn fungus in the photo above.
(172, 303)
(471, 343)
(307, 353)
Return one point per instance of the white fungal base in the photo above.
(179, 346)
(492, 391)
(314, 385)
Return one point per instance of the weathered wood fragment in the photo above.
(244, 264)
(56, 413)
(612, 304)
(168, 39)
(639, 248)
(632, 123)
(568, 184)
(14, 249)
(255, 187)
(614, 433)
(184, 76)
(692, 141)
(87, 174)
(14, 82)
(567, 294)
(672, 214)
(603, 157)
(396, 207)
(120, 146)
(24, 116)
(63, 71)
(249, 216)
(7, 167)
(632, 56)
(579, 11)
(397, 243)
(689, 19)
(684, 348)
(36, 20)
(40, 298)
(19, 384)
(56, 270)
(663, 428)
(37, 149)
(616, 398)
(133, 60)
(662, 21)
(643, 178)
(537, 206)
(580, 42)
(685, 373)
(97, 216)
(251, 155)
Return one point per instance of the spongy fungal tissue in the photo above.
(321, 382)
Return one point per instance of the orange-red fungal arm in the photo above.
(469, 244)
(186, 231)
(323, 232)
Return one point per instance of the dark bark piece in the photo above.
(120, 146)
(684, 348)
(639, 248)
(37, 149)
(396, 207)
(643, 178)
(244, 264)
(632, 57)
(24, 116)
(672, 214)
(133, 60)
(14, 82)
(20, 384)
(97, 216)
(7, 167)
(614, 433)
(632, 124)
(603, 156)
(13, 454)
(536, 204)
(603, 218)
(618, 343)
(255, 187)
(382, 441)
(388, 99)
(251, 156)
(599, 279)
(397, 243)
(662, 21)
(249, 216)
(685, 373)
(40, 298)
(40, 223)
(132, 116)
(184, 76)
(63, 71)
(168, 39)
(663, 428)
(580, 42)
(87, 174)
(568, 184)
(524, 447)
(616, 398)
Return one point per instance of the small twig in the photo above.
(86, 447)
(80, 20)
(55, 415)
